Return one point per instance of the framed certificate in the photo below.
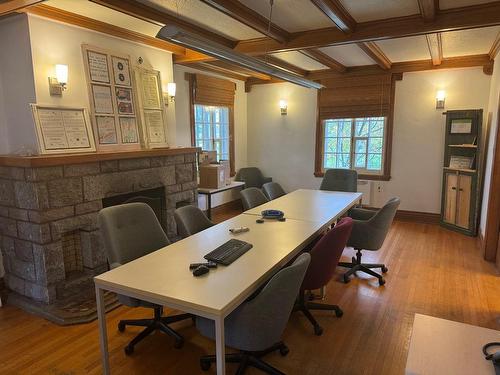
(461, 126)
(62, 129)
(112, 95)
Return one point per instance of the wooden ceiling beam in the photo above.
(324, 59)
(249, 17)
(271, 60)
(238, 69)
(428, 9)
(336, 12)
(214, 69)
(11, 6)
(103, 27)
(376, 54)
(435, 48)
(495, 47)
(446, 20)
(158, 17)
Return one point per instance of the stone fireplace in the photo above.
(50, 240)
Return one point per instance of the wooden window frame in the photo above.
(191, 79)
(388, 131)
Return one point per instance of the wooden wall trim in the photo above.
(11, 6)
(102, 27)
(413, 216)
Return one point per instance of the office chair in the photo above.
(256, 326)
(131, 231)
(368, 233)
(252, 197)
(252, 177)
(190, 220)
(273, 190)
(324, 258)
(340, 180)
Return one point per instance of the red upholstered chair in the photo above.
(325, 256)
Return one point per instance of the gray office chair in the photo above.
(252, 177)
(256, 326)
(190, 220)
(368, 233)
(273, 190)
(252, 197)
(340, 180)
(131, 231)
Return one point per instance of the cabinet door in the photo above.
(450, 208)
(463, 200)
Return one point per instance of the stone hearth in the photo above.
(50, 240)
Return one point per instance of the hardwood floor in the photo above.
(431, 271)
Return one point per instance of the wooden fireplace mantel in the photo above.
(65, 159)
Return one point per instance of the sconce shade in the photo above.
(62, 73)
(440, 97)
(171, 88)
(283, 106)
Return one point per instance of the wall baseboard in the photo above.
(414, 216)
(480, 241)
(228, 206)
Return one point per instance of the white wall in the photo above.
(493, 112)
(57, 43)
(182, 109)
(16, 79)
(283, 146)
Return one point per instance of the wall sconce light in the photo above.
(440, 97)
(58, 83)
(171, 88)
(283, 107)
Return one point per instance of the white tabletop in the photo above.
(440, 346)
(310, 205)
(164, 276)
(232, 185)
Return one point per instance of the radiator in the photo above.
(365, 187)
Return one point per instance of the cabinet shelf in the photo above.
(460, 169)
(463, 146)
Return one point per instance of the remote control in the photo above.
(192, 266)
(201, 270)
(239, 230)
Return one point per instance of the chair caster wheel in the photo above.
(346, 279)
(205, 365)
(284, 350)
(339, 313)
(121, 327)
(381, 282)
(318, 331)
(129, 350)
(384, 269)
(178, 344)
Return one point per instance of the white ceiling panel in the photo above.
(447, 4)
(103, 14)
(405, 49)
(469, 42)
(207, 17)
(300, 60)
(369, 10)
(348, 55)
(291, 15)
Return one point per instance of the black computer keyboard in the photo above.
(228, 252)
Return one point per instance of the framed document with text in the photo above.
(152, 114)
(62, 129)
(112, 94)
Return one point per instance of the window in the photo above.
(211, 128)
(356, 143)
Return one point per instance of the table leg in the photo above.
(220, 346)
(209, 206)
(103, 335)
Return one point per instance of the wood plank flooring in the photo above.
(431, 271)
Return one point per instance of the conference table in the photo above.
(163, 277)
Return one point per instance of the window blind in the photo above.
(207, 90)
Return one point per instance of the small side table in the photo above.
(209, 192)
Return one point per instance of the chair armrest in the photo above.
(361, 213)
(265, 180)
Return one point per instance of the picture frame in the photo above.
(62, 130)
(461, 162)
(461, 126)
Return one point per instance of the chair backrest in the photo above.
(252, 197)
(251, 176)
(130, 231)
(325, 255)
(259, 323)
(273, 190)
(190, 220)
(370, 234)
(340, 180)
